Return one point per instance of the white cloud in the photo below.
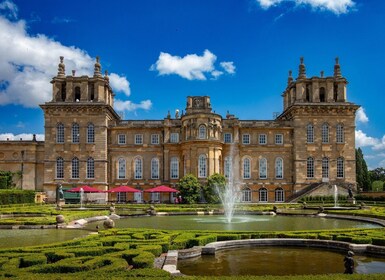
(228, 66)
(362, 140)
(334, 6)
(24, 136)
(10, 9)
(28, 63)
(216, 74)
(130, 106)
(361, 116)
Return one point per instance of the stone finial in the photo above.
(61, 72)
(97, 68)
(322, 74)
(290, 78)
(168, 115)
(106, 76)
(73, 72)
(302, 69)
(337, 69)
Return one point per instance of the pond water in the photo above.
(30, 237)
(241, 222)
(276, 261)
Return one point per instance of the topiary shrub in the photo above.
(143, 260)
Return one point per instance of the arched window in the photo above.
(155, 168)
(325, 167)
(308, 93)
(340, 134)
(60, 133)
(63, 92)
(227, 167)
(325, 133)
(90, 168)
(202, 132)
(90, 133)
(310, 167)
(174, 168)
(246, 168)
(121, 168)
(75, 133)
(75, 168)
(279, 168)
(263, 195)
(279, 195)
(77, 94)
(246, 195)
(138, 168)
(322, 94)
(262, 168)
(59, 168)
(202, 166)
(340, 167)
(310, 133)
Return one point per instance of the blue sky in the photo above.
(160, 51)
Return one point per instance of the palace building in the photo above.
(305, 150)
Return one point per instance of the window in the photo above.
(75, 168)
(121, 139)
(340, 168)
(325, 168)
(262, 168)
(322, 95)
(340, 134)
(155, 196)
(246, 168)
(325, 133)
(121, 197)
(138, 168)
(202, 132)
(77, 94)
(246, 195)
(246, 139)
(202, 166)
(60, 133)
(279, 139)
(263, 195)
(138, 139)
(121, 168)
(90, 168)
(279, 195)
(90, 133)
(227, 138)
(279, 168)
(262, 140)
(59, 168)
(174, 168)
(310, 167)
(227, 167)
(155, 139)
(174, 137)
(310, 133)
(155, 168)
(75, 133)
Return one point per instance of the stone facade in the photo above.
(86, 142)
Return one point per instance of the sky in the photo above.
(158, 52)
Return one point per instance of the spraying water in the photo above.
(81, 197)
(335, 195)
(229, 195)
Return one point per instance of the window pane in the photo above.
(202, 166)
(278, 139)
(121, 139)
(340, 134)
(121, 168)
(174, 138)
(262, 139)
(90, 168)
(310, 167)
(75, 133)
(262, 168)
(246, 139)
(155, 168)
(174, 168)
(310, 134)
(60, 168)
(325, 168)
(75, 168)
(138, 139)
(138, 168)
(227, 138)
(202, 132)
(278, 168)
(90, 133)
(155, 139)
(60, 133)
(340, 168)
(325, 133)
(246, 169)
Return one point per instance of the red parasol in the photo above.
(162, 189)
(123, 189)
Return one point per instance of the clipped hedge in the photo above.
(31, 260)
(16, 196)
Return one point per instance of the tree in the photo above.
(362, 174)
(214, 182)
(190, 189)
(377, 174)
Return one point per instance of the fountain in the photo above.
(335, 196)
(229, 195)
(81, 198)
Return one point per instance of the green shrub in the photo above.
(325, 236)
(182, 241)
(30, 260)
(156, 250)
(144, 260)
(343, 238)
(16, 196)
(380, 241)
(229, 236)
(54, 256)
(362, 240)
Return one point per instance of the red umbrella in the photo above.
(162, 189)
(86, 189)
(123, 189)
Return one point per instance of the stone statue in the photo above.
(350, 192)
(59, 193)
(349, 263)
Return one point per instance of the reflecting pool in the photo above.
(31, 237)
(241, 222)
(276, 261)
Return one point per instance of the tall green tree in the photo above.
(214, 182)
(362, 173)
(190, 189)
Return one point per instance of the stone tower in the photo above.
(323, 124)
(76, 129)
